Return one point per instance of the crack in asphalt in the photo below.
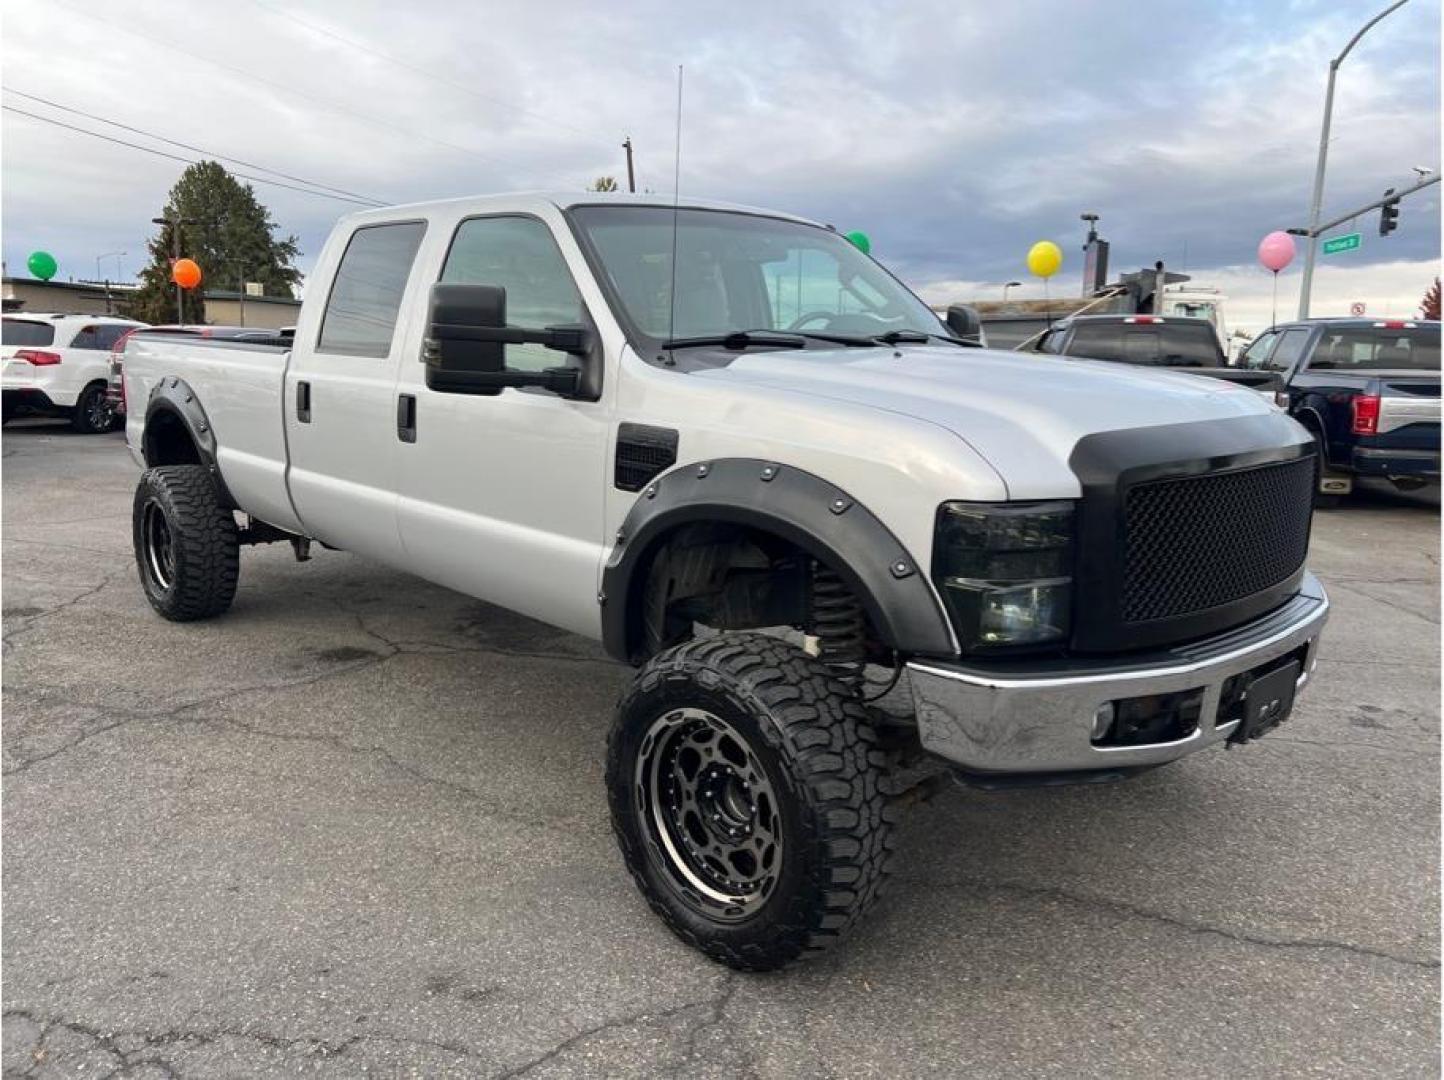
(29, 621)
(1392, 604)
(128, 1060)
(494, 809)
(1123, 907)
(648, 1016)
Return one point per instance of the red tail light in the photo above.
(38, 357)
(1366, 414)
(1142, 319)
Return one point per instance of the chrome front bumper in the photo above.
(1002, 720)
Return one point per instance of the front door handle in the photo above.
(406, 417)
(303, 402)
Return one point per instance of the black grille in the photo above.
(642, 453)
(1196, 542)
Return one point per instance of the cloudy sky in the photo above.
(954, 133)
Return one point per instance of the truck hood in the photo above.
(1022, 412)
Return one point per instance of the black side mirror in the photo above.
(965, 323)
(466, 339)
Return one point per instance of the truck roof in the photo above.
(533, 201)
(1364, 322)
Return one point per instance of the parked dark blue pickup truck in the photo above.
(1368, 389)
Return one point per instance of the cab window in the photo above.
(360, 315)
(519, 255)
(1253, 357)
(1291, 347)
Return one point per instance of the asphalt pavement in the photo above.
(357, 827)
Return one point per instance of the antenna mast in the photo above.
(676, 195)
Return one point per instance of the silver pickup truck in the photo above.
(740, 454)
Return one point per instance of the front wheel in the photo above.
(745, 786)
(186, 546)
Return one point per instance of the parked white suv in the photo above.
(58, 365)
(702, 433)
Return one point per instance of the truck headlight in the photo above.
(1005, 571)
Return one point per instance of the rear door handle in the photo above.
(406, 418)
(303, 402)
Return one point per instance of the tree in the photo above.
(224, 228)
(1429, 306)
(604, 183)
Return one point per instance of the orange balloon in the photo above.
(186, 273)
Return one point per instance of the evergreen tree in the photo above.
(228, 232)
(1429, 308)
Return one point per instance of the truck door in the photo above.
(502, 495)
(340, 396)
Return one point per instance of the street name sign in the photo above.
(1347, 242)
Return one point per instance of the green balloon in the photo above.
(860, 241)
(42, 264)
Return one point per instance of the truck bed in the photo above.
(243, 386)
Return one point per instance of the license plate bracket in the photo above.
(1268, 700)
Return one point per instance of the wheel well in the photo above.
(727, 576)
(167, 441)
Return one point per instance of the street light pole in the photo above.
(1006, 287)
(1316, 203)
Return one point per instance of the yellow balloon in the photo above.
(1044, 258)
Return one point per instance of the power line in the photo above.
(177, 157)
(290, 91)
(363, 47)
(188, 146)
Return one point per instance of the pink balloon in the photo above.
(1276, 250)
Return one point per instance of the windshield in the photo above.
(25, 332)
(738, 271)
(1378, 348)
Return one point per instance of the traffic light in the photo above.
(1388, 215)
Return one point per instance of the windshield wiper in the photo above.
(787, 339)
(921, 337)
(739, 339)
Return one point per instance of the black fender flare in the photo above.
(1316, 422)
(817, 517)
(175, 396)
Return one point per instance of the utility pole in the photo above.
(631, 178)
(175, 223)
(241, 291)
(1316, 203)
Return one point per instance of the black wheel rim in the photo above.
(158, 545)
(709, 814)
(97, 413)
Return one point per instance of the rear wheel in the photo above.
(186, 546)
(92, 415)
(745, 785)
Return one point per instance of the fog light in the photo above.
(1103, 721)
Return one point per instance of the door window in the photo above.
(360, 316)
(1253, 356)
(519, 255)
(1291, 347)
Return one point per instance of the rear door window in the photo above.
(1378, 348)
(360, 315)
(85, 338)
(25, 333)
